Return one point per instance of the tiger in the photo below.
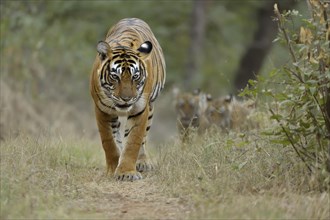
(228, 113)
(218, 113)
(189, 107)
(127, 76)
(240, 114)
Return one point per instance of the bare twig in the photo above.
(287, 39)
(281, 27)
(294, 73)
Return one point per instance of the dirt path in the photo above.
(130, 200)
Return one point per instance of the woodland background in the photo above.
(48, 48)
(52, 163)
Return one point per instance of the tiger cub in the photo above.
(227, 113)
(189, 108)
(127, 77)
(240, 114)
(218, 113)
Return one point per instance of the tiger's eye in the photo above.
(114, 76)
(136, 76)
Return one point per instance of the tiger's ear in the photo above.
(229, 98)
(103, 49)
(145, 49)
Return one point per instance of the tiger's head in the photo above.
(123, 73)
(189, 107)
(218, 112)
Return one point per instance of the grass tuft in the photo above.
(40, 175)
(217, 175)
(240, 175)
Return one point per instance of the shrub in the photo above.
(299, 92)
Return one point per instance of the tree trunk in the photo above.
(195, 51)
(253, 58)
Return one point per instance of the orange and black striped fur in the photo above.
(190, 108)
(227, 113)
(128, 75)
(218, 113)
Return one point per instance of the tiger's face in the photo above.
(123, 74)
(218, 113)
(189, 107)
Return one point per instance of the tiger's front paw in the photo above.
(144, 165)
(128, 176)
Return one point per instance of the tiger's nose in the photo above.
(126, 98)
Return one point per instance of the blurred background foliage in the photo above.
(48, 48)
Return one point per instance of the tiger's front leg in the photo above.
(126, 169)
(111, 151)
(143, 163)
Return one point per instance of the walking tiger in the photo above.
(127, 77)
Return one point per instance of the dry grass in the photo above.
(241, 176)
(217, 176)
(50, 178)
(40, 175)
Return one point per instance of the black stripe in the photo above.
(114, 120)
(127, 133)
(148, 128)
(104, 68)
(137, 114)
(118, 61)
(101, 101)
(150, 117)
(115, 126)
